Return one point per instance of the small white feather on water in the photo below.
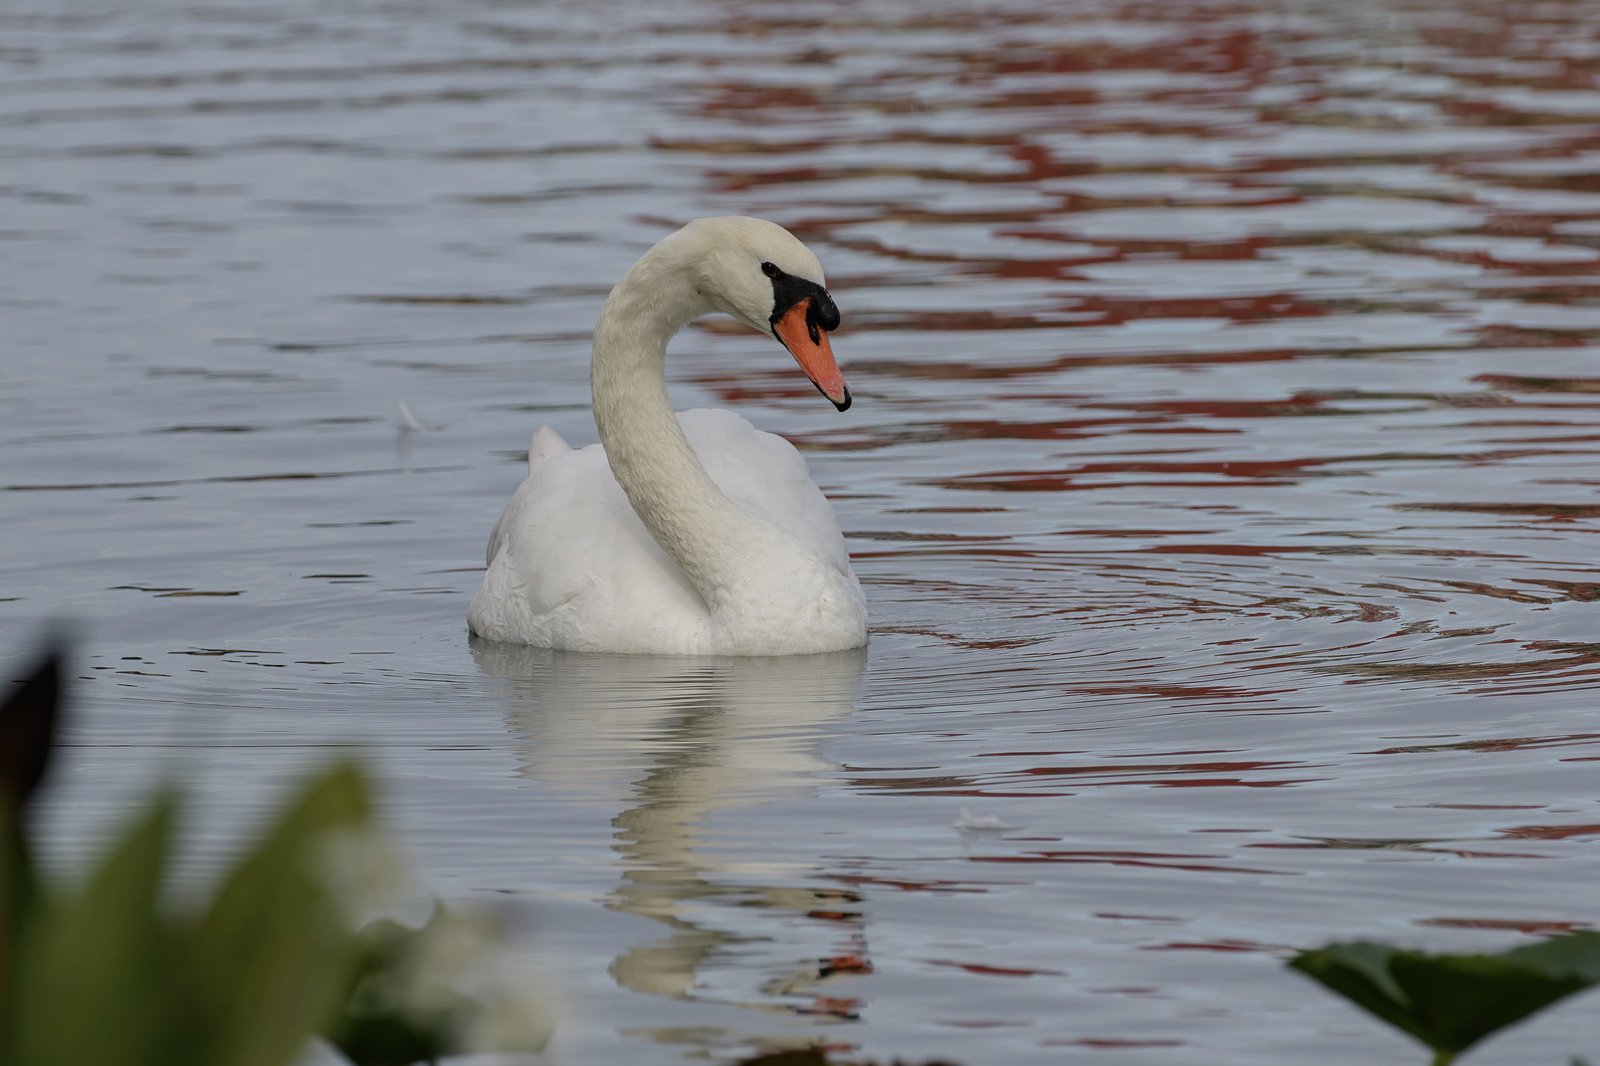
(968, 820)
(405, 419)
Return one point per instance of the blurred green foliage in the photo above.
(115, 972)
(1450, 1002)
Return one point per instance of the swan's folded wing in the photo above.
(764, 473)
(571, 565)
(497, 536)
(561, 522)
(545, 445)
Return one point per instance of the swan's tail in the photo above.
(546, 442)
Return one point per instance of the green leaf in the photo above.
(1451, 1002)
(28, 718)
(1576, 954)
(377, 1026)
(105, 953)
(1359, 971)
(409, 1000)
(30, 713)
(272, 956)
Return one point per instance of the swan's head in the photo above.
(759, 273)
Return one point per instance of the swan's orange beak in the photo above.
(808, 343)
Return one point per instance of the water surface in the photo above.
(1222, 478)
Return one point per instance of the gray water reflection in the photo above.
(671, 744)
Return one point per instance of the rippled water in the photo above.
(1222, 478)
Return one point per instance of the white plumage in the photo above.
(715, 540)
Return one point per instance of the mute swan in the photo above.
(686, 534)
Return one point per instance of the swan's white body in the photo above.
(678, 534)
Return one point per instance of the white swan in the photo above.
(681, 534)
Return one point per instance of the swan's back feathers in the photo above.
(546, 442)
(765, 474)
(570, 559)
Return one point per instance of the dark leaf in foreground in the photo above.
(378, 1026)
(29, 718)
(105, 951)
(273, 946)
(27, 728)
(1450, 1002)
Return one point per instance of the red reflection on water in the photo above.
(987, 970)
(1228, 947)
(842, 1007)
(1111, 1043)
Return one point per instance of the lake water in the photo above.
(1222, 479)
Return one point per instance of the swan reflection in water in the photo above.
(673, 743)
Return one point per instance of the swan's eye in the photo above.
(769, 270)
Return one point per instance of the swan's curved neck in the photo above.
(711, 538)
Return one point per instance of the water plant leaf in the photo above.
(106, 952)
(272, 955)
(377, 1026)
(421, 994)
(1451, 1002)
(28, 719)
(106, 974)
